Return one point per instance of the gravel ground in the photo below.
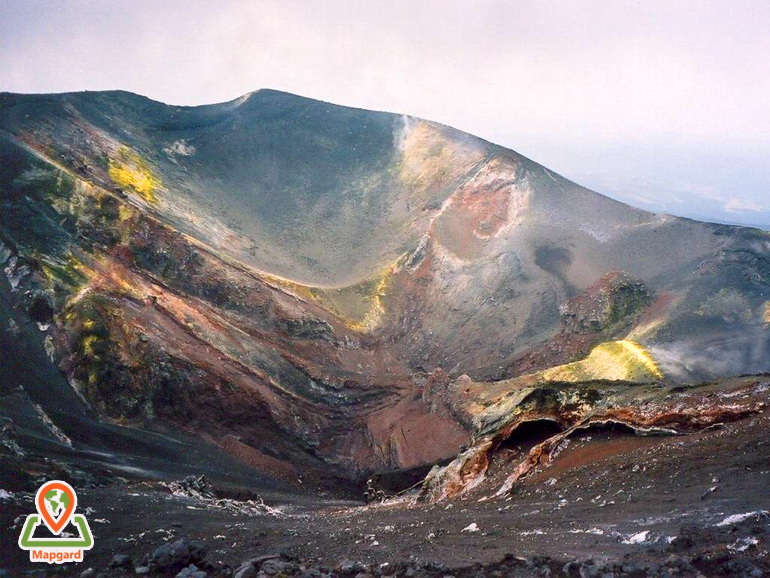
(698, 501)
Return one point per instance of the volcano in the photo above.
(291, 295)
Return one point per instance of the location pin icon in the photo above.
(67, 498)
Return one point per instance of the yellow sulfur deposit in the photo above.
(130, 171)
(614, 360)
(359, 306)
(373, 316)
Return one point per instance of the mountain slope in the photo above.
(312, 286)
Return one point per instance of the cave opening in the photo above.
(525, 437)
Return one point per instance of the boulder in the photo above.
(121, 561)
(192, 571)
(177, 555)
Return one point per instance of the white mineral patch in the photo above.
(180, 147)
(639, 538)
(737, 518)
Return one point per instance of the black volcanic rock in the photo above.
(176, 555)
(611, 300)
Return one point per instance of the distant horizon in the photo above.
(662, 105)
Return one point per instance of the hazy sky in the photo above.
(664, 104)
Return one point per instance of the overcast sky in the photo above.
(664, 104)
